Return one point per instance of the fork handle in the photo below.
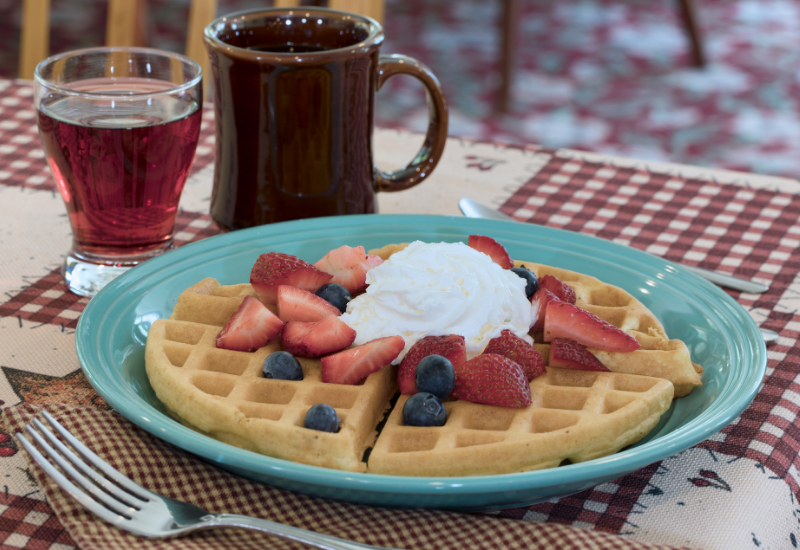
(311, 538)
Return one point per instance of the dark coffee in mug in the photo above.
(294, 93)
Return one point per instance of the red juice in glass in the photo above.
(120, 168)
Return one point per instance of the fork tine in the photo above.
(103, 482)
(88, 502)
(124, 482)
(122, 508)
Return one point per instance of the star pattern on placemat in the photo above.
(40, 389)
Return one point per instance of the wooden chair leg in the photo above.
(34, 41)
(508, 43)
(127, 23)
(689, 16)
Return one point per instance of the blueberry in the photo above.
(336, 294)
(531, 282)
(282, 365)
(435, 375)
(323, 418)
(424, 409)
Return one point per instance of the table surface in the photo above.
(736, 490)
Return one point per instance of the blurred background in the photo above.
(610, 76)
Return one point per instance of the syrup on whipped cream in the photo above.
(434, 289)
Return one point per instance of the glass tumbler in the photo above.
(119, 128)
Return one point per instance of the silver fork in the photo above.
(130, 507)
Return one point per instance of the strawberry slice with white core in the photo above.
(563, 320)
(296, 304)
(250, 327)
(317, 338)
(496, 251)
(492, 380)
(569, 354)
(452, 347)
(518, 350)
(275, 268)
(353, 365)
(559, 288)
(539, 302)
(349, 267)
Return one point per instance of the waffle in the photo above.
(575, 415)
(223, 394)
(658, 356)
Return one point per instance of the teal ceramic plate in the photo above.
(722, 337)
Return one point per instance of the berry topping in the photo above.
(561, 290)
(569, 354)
(274, 269)
(323, 418)
(435, 375)
(335, 294)
(317, 338)
(518, 350)
(349, 267)
(539, 306)
(562, 320)
(352, 365)
(424, 409)
(496, 251)
(452, 347)
(296, 304)
(493, 380)
(250, 327)
(282, 365)
(531, 282)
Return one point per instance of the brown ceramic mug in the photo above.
(294, 96)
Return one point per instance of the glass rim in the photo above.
(39, 79)
(375, 36)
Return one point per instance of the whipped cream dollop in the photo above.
(434, 289)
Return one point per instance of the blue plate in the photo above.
(721, 335)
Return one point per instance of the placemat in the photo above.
(174, 473)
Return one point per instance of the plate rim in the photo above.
(618, 463)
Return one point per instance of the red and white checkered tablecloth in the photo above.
(739, 489)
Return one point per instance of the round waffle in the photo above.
(575, 415)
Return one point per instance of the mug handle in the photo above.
(431, 151)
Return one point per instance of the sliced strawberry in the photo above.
(349, 267)
(451, 346)
(296, 304)
(569, 354)
(539, 302)
(250, 327)
(518, 350)
(274, 269)
(562, 320)
(493, 380)
(352, 365)
(317, 338)
(562, 290)
(496, 251)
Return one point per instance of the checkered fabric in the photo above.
(173, 473)
(30, 523)
(746, 232)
